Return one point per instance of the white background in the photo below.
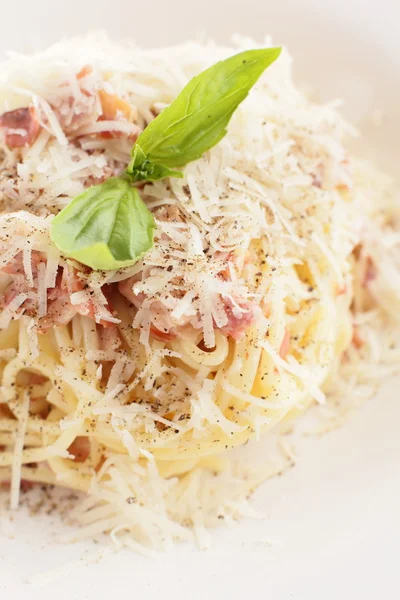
(334, 520)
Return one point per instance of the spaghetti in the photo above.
(128, 385)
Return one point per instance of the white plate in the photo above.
(333, 521)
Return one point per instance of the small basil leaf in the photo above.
(107, 227)
(198, 118)
(141, 169)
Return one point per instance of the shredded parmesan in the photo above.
(273, 283)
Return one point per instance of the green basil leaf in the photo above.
(145, 170)
(198, 118)
(107, 227)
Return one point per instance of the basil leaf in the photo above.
(198, 118)
(145, 170)
(106, 227)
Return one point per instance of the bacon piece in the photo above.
(115, 108)
(60, 309)
(87, 309)
(9, 294)
(25, 485)
(106, 289)
(84, 72)
(169, 213)
(369, 273)
(16, 265)
(36, 378)
(80, 449)
(357, 341)
(341, 290)
(125, 288)
(18, 286)
(72, 112)
(161, 336)
(100, 463)
(21, 127)
(285, 345)
(237, 326)
(59, 312)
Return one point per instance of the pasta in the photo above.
(130, 385)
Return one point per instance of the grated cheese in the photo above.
(273, 282)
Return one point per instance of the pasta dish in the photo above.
(152, 318)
